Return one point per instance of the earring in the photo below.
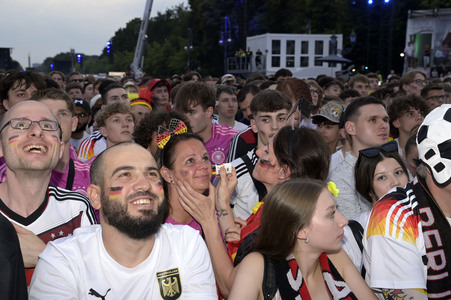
(306, 240)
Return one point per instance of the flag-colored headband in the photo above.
(176, 126)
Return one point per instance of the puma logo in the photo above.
(97, 295)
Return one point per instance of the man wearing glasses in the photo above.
(31, 145)
(434, 94)
(76, 77)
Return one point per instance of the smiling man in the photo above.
(31, 144)
(131, 255)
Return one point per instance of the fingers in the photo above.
(240, 222)
(232, 234)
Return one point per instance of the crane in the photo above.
(138, 59)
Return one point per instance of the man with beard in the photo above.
(83, 114)
(130, 255)
(31, 143)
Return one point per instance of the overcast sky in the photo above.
(45, 28)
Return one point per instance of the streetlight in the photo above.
(333, 43)
(226, 37)
(189, 46)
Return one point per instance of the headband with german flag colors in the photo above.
(176, 126)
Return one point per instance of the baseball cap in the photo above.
(83, 104)
(94, 100)
(331, 111)
(227, 77)
(434, 144)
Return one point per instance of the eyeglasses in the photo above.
(374, 151)
(437, 98)
(24, 124)
(421, 82)
(82, 115)
(318, 92)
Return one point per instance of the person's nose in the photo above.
(142, 183)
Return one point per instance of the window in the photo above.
(318, 63)
(319, 47)
(304, 47)
(304, 62)
(275, 61)
(290, 47)
(275, 46)
(289, 62)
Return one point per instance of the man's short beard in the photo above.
(80, 129)
(116, 214)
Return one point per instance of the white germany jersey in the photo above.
(79, 267)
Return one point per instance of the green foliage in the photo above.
(168, 32)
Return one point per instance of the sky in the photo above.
(45, 28)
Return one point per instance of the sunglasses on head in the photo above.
(374, 151)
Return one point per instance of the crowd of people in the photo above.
(332, 188)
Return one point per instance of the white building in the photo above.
(296, 52)
(433, 28)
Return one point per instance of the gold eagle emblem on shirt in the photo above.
(169, 284)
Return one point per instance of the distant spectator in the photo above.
(192, 76)
(412, 82)
(18, 86)
(282, 74)
(361, 84)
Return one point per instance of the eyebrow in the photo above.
(332, 207)
(130, 168)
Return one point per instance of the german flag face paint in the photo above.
(115, 192)
(13, 140)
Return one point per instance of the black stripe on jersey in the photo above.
(60, 194)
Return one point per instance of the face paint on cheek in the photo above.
(265, 165)
(55, 138)
(159, 186)
(115, 192)
(14, 139)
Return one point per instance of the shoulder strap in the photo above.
(357, 231)
(70, 175)
(258, 185)
(269, 284)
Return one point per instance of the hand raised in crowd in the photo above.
(225, 188)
